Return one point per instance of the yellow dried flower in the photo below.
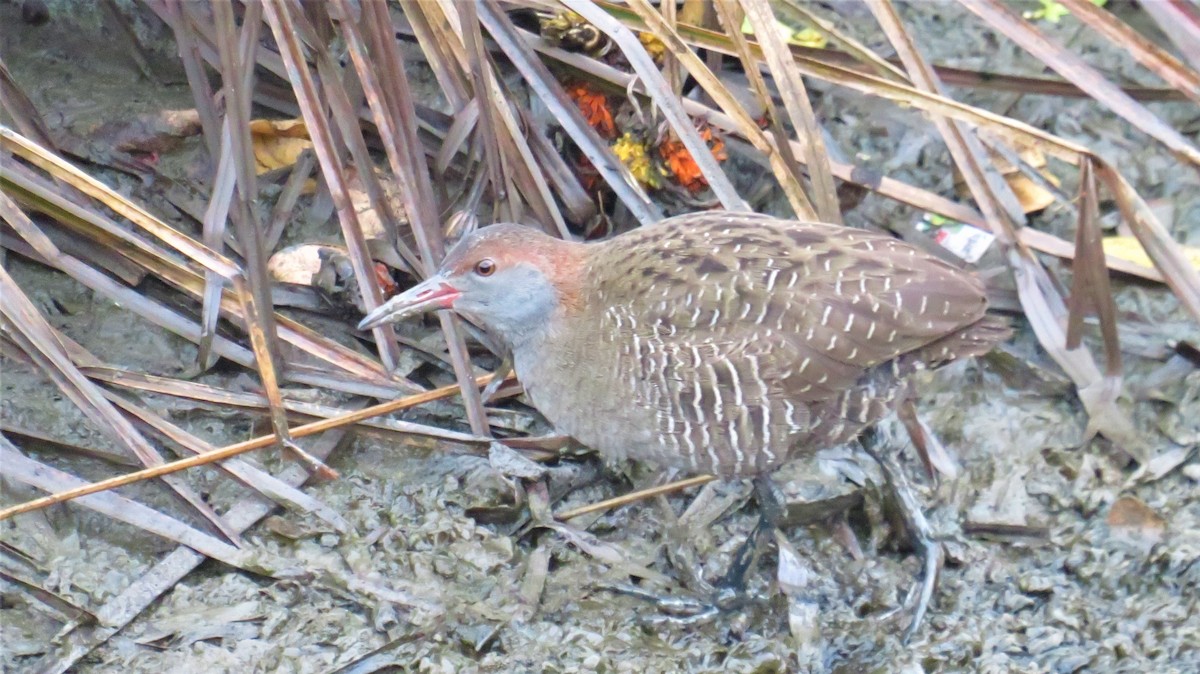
(809, 37)
(654, 46)
(633, 153)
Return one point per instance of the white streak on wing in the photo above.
(737, 383)
(762, 314)
(739, 411)
(718, 404)
(849, 322)
(691, 451)
(771, 279)
(708, 444)
(791, 416)
(739, 456)
(766, 446)
(825, 314)
(764, 406)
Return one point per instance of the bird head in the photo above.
(507, 279)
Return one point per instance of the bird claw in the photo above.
(685, 611)
(932, 557)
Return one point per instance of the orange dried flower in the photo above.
(680, 162)
(384, 278)
(594, 106)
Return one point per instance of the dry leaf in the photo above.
(278, 143)
(1135, 522)
(1128, 248)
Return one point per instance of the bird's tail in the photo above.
(974, 340)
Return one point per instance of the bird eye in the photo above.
(485, 267)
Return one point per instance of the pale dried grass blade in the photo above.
(283, 26)
(524, 181)
(107, 233)
(1090, 291)
(62, 170)
(551, 93)
(662, 96)
(1181, 25)
(1178, 273)
(25, 470)
(479, 70)
(213, 235)
(119, 611)
(32, 334)
(126, 297)
(225, 398)
(235, 449)
(786, 172)
(852, 47)
(1153, 57)
(1004, 19)
(254, 478)
(795, 100)
(994, 197)
(1042, 303)
(393, 110)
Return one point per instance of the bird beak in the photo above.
(430, 295)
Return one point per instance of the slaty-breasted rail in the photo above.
(715, 342)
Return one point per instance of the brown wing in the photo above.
(822, 303)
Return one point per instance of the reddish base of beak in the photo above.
(430, 295)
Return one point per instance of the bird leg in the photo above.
(919, 531)
(771, 512)
(730, 591)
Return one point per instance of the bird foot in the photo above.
(919, 531)
(729, 594)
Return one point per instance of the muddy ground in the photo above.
(1072, 592)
